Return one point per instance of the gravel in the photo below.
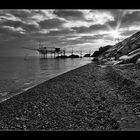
(89, 98)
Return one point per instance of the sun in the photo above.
(115, 34)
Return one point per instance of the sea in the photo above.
(18, 74)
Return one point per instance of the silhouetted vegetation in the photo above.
(87, 55)
(95, 59)
(101, 51)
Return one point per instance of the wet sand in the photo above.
(88, 98)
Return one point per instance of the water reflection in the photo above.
(52, 65)
(17, 74)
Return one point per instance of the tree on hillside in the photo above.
(101, 51)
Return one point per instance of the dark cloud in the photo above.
(44, 38)
(98, 27)
(51, 23)
(75, 42)
(92, 28)
(62, 32)
(82, 29)
(128, 33)
(22, 14)
(130, 19)
(29, 28)
(9, 34)
(94, 37)
(15, 24)
(70, 14)
(112, 24)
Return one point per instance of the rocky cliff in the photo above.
(126, 51)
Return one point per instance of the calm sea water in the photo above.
(18, 75)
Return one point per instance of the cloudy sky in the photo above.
(78, 29)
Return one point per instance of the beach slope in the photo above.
(91, 97)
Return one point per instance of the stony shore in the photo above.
(91, 97)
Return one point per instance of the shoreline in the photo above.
(89, 97)
(13, 94)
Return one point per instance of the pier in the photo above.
(45, 51)
(55, 52)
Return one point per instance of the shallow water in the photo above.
(17, 74)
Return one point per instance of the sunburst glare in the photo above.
(115, 32)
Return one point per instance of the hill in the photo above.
(126, 51)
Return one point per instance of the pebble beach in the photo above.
(89, 98)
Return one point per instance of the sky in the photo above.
(80, 29)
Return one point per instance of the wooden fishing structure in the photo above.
(45, 51)
(53, 52)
